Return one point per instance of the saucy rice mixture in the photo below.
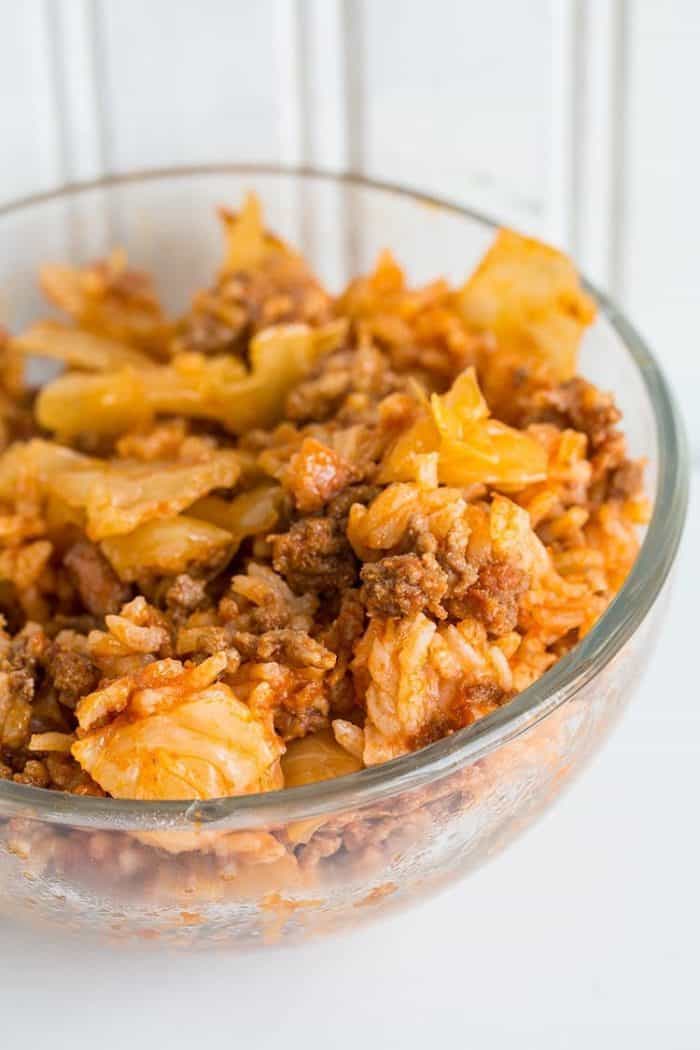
(288, 535)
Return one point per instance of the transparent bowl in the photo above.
(386, 835)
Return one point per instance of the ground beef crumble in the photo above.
(579, 405)
(315, 556)
(627, 480)
(100, 589)
(341, 637)
(294, 648)
(343, 378)
(339, 507)
(184, 595)
(403, 585)
(71, 671)
(494, 598)
(461, 712)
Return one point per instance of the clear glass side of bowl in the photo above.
(391, 847)
(265, 886)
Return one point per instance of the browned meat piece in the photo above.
(293, 648)
(295, 697)
(495, 597)
(22, 684)
(34, 773)
(26, 652)
(19, 681)
(302, 713)
(454, 556)
(483, 692)
(474, 701)
(27, 648)
(184, 595)
(16, 695)
(580, 405)
(205, 333)
(341, 637)
(404, 585)
(336, 377)
(99, 587)
(73, 673)
(471, 703)
(281, 292)
(315, 556)
(339, 506)
(459, 562)
(627, 481)
(320, 395)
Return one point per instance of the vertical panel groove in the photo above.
(565, 80)
(56, 50)
(595, 132)
(305, 79)
(77, 90)
(103, 85)
(306, 83)
(102, 109)
(354, 76)
(587, 177)
(578, 116)
(354, 117)
(313, 42)
(619, 105)
(292, 133)
(290, 72)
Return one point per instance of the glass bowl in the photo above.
(387, 835)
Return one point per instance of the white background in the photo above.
(574, 119)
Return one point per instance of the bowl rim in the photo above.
(558, 685)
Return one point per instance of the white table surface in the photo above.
(585, 933)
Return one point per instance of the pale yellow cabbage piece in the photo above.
(124, 399)
(317, 756)
(77, 348)
(108, 404)
(247, 514)
(528, 295)
(246, 241)
(492, 454)
(280, 356)
(471, 448)
(194, 385)
(460, 407)
(250, 247)
(219, 389)
(181, 735)
(35, 462)
(111, 498)
(108, 298)
(119, 496)
(167, 546)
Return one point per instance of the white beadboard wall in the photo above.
(572, 119)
